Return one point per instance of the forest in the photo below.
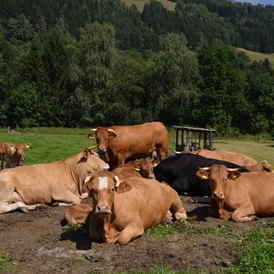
(85, 63)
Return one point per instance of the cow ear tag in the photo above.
(137, 168)
(204, 177)
(12, 149)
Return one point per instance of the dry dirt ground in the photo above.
(38, 243)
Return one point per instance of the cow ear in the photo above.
(121, 186)
(155, 163)
(137, 166)
(91, 136)
(203, 174)
(233, 175)
(111, 134)
(86, 153)
(12, 148)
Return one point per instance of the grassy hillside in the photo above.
(140, 4)
(257, 56)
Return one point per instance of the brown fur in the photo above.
(239, 195)
(232, 157)
(45, 184)
(77, 215)
(122, 142)
(122, 213)
(262, 166)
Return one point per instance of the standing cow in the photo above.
(122, 142)
(122, 210)
(59, 183)
(239, 196)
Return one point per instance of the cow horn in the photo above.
(177, 152)
(93, 130)
(87, 179)
(233, 169)
(204, 168)
(117, 181)
(92, 147)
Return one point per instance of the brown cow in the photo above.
(57, 183)
(262, 166)
(141, 167)
(6, 151)
(239, 195)
(18, 157)
(122, 142)
(122, 210)
(76, 215)
(232, 157)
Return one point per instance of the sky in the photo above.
(256, 2)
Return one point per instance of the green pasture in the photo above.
(140, 4)
(52, 144)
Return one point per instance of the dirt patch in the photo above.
(38, 244)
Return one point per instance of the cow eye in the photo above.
(112, 190)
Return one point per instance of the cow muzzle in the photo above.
(102, 211)
(103, 149)
(218, 195)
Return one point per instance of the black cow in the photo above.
(180, 173)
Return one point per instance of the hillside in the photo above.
(257, 56)
(140, 4)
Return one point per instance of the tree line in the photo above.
(87, 63)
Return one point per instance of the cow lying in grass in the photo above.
(56, 183)
(239, 196)
(122, 210)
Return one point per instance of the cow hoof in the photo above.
(24, 209)
(254, 218)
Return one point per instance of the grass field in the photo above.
(140, 4)
(258, 56)
(54, 144)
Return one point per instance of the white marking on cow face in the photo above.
(103, 182)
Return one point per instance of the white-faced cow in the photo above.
(76, 215)
(18, 157)
(239, 196)
(122, 142)
(122, 210)
(58, 183)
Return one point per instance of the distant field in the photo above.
(56, 144)
(140, 4)
(257, 56)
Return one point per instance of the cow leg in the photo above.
(5, 207)
(177, 208)
(163, 153)
(244, 214)
(130, 233)
(66, 198)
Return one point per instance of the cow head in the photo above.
(102, 186)
(218, 176)
(102, 136)
(93, 161)
(145, 167)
